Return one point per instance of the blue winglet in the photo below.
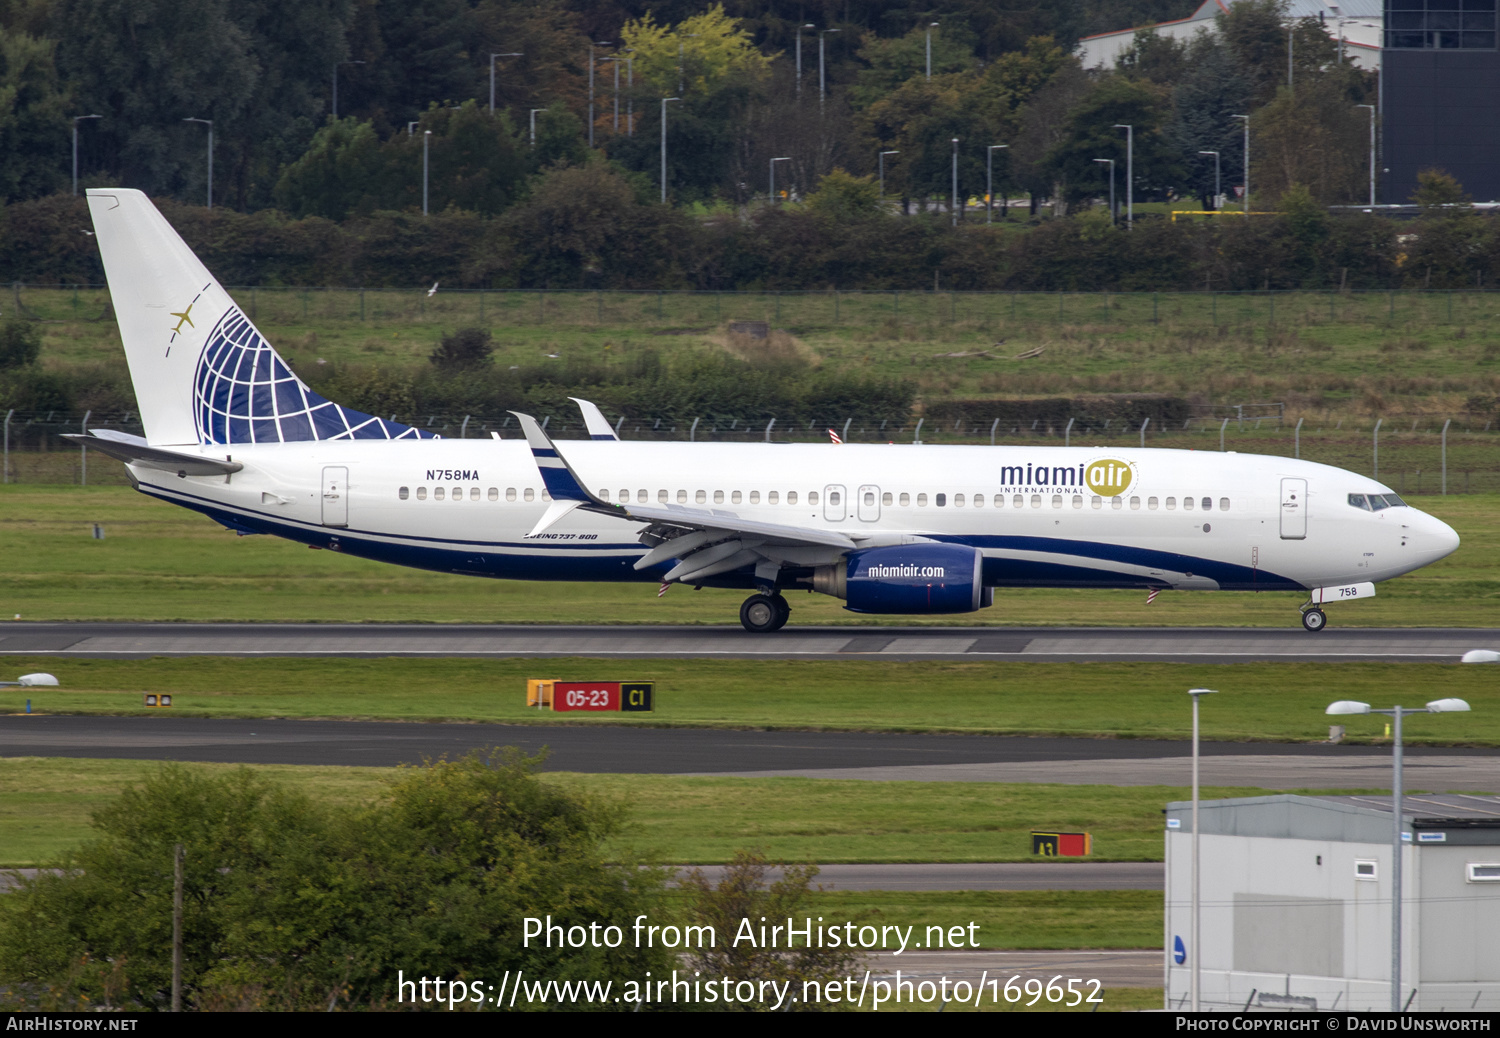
(560, 479)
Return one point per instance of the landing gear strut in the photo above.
(762, 614)
(1314, 620)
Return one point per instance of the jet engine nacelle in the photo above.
(909, 578)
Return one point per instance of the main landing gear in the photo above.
(1314, 620)
(762, 614)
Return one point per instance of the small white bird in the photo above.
(433, 290)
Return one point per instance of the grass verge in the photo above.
(1260, 701)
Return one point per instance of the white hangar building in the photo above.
(1357, 22)
(1296, 903)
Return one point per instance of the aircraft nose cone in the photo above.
(1435, 537)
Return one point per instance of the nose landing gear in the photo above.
(762, 614)
(1314, 620)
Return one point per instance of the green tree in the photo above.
(288, 905)
(1154, 57)
(1313, 136)
(1452, 240)
(1091, 133)
(713, 49)
(464, 350)
(33, 120)
(342, 171)
(890, 63)
(1204, 103)
(840, 196)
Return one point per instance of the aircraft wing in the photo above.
(705, 541)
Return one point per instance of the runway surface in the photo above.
(1185, 644)
(699, 751)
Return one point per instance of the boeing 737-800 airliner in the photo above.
(231, 431)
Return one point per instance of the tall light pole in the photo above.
(76, 120)
(210, 124)
(616, 59)
(881, 160)
(786, 158)
(930, 27)
(1129, 173)
(954, 204)
(1372, 150)
(492, 76)
(336, 65)
(592, 45)
(630, 95)
(822, 81)
(426, 140)
(1111, 163)
(1195, 921)
(809, 25)
(1289, 28)
(989, 182)
(1216, 175)
(1437, 706)
(664, 146)
(533, 124)
(1245, 202)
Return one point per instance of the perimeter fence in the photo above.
(1421, 455)
(686, 311)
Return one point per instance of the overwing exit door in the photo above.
(335, 496)
(1293, 509)
(869, 504)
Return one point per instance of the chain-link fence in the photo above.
(290, 306)
(1424, 455)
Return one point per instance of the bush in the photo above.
(20, 344)
(464, 350)
(290, 906)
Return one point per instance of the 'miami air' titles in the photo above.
(1107, 477)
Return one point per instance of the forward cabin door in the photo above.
(335, 495)
(1293, 509)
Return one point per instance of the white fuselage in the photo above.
(467, 505)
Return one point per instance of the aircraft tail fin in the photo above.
(203, 373)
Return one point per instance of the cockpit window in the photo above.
(1358, 501)
(1379, 501)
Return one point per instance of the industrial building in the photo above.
(1356, 24)
(1296, 903)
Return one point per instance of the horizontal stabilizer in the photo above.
(156, 457)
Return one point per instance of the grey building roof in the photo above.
(1446, 819)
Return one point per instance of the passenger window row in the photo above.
(887, 498)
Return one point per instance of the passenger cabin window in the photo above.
(999, 500)
(1117, 503)
(662, 497)
(642, 496)
(437, 494)
(1171, 504)
(1223, 504)
(421, 493)
(1187, 504)
(978, 500)
(1077, 500)
(529, 494)
(718, 497)
(921, 500)
(791, 497)
(510, 493)
(755, 497)
(701, 497)
(1135, 504)
(1097, 502)
(1056, 500)
(958, 500)
(771, 497)
(473, 493)
(734, 498)
(494, 494)
(812, 497)
(1036, 500)
(404, 493)
(885, 499)
(941, 500)
(905, 500)
(1208, 504)
(458, 493)
(1151, 503)
(682, 497)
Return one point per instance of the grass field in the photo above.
(159, 562)
(1354, 353)
(1260, 701)
(45, 804)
